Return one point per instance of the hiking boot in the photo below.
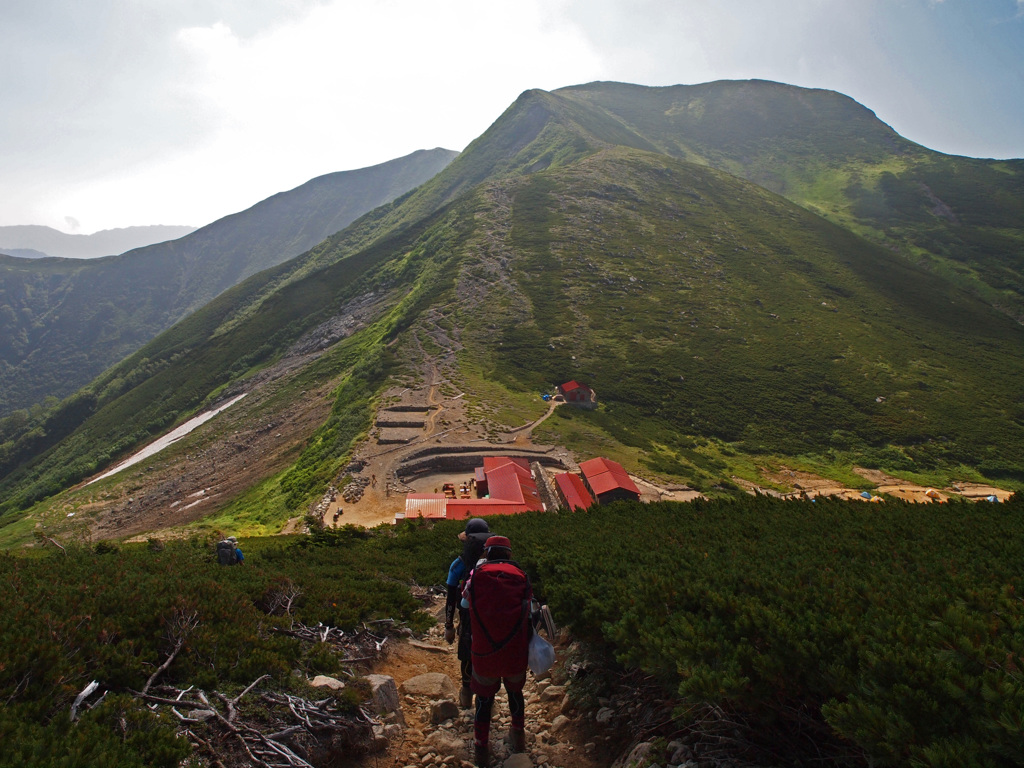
(466, 697)
(481, 756)
(517, 740)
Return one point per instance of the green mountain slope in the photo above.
(700, 305)
(715, 318)
(960, 217)
(63, 322)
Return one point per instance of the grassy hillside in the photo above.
(63, 322)
(959, 217)
(700, 306)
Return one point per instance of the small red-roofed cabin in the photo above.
(572, 492)
(608, 481)
(578, 394)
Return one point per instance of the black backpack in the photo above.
(226, 554)
(473, 550)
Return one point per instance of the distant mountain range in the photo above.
(742, 270)
(64, 321)
(32, 241)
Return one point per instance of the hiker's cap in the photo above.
(232, 539)
(498, 541)
(477, 525)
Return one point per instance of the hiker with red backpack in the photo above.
(498, 599)
(473, 538)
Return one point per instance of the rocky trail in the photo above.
(415, 687)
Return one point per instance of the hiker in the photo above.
(498, 596)
(228, 552)
(473, 539)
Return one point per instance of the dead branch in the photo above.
(86, 693)
(264, 745)
(47, 540)
(181, 627)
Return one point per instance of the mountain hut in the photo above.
(580, 395)
(608, 481)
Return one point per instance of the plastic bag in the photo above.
(542, 655)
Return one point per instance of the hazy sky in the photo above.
(125, 112)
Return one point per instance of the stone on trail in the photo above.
(385, 694)
(518, 760)
(434, 685)
(446, 709)
(553, 693)
(448, 742)
(559, 723)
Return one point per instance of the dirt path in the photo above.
(557, 736)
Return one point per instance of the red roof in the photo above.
(460, 509)
(510, 482)
(574, 491)
(493, 462)
(569, 386)
(605, 475)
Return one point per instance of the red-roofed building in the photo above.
(572, 492)
(578, 394)
(425, 505)
(608, 481)
(508, 482)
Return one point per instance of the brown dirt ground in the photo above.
(809, 485)
(212, 465)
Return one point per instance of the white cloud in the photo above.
(120, 112)
(343, 86)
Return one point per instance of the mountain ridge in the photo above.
(848, 365)
(105, 242)
(65, 321)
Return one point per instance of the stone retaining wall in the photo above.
(400, 423)
(465, 462)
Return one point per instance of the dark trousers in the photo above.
(464, 649)
(486, 688)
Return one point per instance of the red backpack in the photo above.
(499, 597)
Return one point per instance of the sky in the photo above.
(133, 112)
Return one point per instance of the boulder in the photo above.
(385, 696)
(323, 681)
(442, 710)
(434, 685)
(553, 693)
(518, 760)
(559, 723)
(636, 756)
